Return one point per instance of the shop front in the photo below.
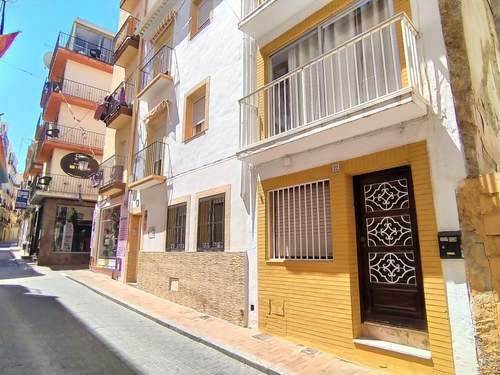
(109, 231)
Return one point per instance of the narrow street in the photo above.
(52, 325)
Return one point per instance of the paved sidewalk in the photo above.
(267, 353)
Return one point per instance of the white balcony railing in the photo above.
(250, 6)
(372, 67)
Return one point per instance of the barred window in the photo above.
(300, 222)
(211, 223)
(176, 227)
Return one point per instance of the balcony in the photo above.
(370, 82)
(265, 20)
(75, 93)
(79, 50)
(117, 107)
(148, 166)
(128, 5)
(156, 75)
(61, 186)
(70, 138)
(126, 42)
(111, 176)
(32, 167)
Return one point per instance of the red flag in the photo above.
(5, 42)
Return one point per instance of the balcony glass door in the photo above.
(355, 73)
(365, 68)
(293, 99)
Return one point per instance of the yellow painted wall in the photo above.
(321, 298)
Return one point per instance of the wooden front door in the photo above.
(133, 251)
(390, 275)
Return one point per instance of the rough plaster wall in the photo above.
(482, 255)
(473, 56)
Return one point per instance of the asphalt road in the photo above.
(52, 325)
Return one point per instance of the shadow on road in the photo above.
(41, 336)
(12, 268)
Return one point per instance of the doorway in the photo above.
(390, 274)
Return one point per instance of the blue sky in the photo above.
(39, 22)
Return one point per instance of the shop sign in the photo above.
(22, 199)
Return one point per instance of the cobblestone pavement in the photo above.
(52, 325)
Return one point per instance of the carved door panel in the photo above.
(390, 273)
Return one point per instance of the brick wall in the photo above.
(213, 283)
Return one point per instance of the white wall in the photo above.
(208, 161)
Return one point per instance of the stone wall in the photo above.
(47, 256)
(479, 205)
(473, 60)
(214, 283)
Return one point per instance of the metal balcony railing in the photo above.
(364, 70)
(71, 88)
(161, 62)
(122, 97)
(250, 6)
(84, 47)
(129, 29)
(72, 135)
(149, 161)
(63, 184)
(112, 170)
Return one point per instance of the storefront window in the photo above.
(72, 229)
(110, 224)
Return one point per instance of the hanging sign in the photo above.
(22, 199)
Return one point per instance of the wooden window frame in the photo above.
(194, 28)
(199, 91)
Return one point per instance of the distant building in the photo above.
(9, 216)
(68, 147)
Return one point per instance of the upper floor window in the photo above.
(330, 35)
(196, 111)
(201, 14)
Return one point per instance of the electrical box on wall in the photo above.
(450, 245)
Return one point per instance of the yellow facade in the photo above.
(317, 302)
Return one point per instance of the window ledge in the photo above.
(395, 348)
(193, 137)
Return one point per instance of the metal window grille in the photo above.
(176, 227)
(211, 223)
(299, 219)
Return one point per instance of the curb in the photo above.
(240, 357)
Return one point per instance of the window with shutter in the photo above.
(198, 115)
(196, 110)
(300, 222)
(204, 10)
(200, 15)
